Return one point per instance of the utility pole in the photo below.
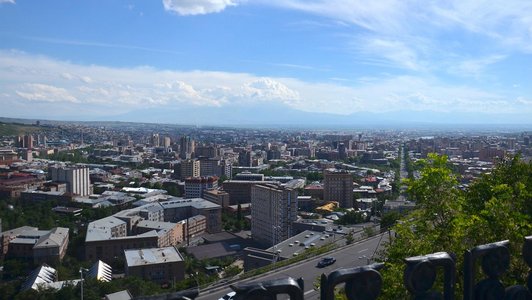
(81, 270)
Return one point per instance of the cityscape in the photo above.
(192, 206)
(228, 149)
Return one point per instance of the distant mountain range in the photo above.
(277, 115)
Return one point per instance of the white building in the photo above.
(76, 178)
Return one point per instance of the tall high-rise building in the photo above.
(76, 178)
(338, 186)
(245, 159)
(210, 167)
(155, 140)
(25, 141)
(187, 168)
(187, 146)
(273, 154)
(166, 142)
(206, 151)
(227, 168)
(342, 151)
(273, 210)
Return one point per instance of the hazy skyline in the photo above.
(222, 61)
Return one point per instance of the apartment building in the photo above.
(273, 209)
(338, 186)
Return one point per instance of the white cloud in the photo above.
(419, 35)
(86, 79)
(393, 52)
(508, 22)
(197, 7)
(7, 1)
(27, 79)
(44, 92)
(475, 67)
(267, 88)
(523, 101)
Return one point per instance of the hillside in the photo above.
(12, 129)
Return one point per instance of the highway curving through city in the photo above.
(357, 254)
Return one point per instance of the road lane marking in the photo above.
(308, 292)
(363, 250)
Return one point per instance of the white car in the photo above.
(228, 296)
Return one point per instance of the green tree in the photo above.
(349, 239)
(389, 219)
(494, 208)
(231, 271)
(351, 217)
(222, 179)
(314, 176)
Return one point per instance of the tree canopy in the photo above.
(495, 207)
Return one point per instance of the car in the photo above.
(326, 261)
(228, 296)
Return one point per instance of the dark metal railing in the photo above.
(365, 283)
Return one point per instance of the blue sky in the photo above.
(194, 61)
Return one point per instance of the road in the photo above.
(354, 255)
(403, 174)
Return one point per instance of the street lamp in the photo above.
(81, 270)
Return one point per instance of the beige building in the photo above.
(107, 238)
(170, 234)
(161, 265)
(152, 225)
(217, 196)
(181, 209)
(273, 209)
(43, 246)
(187, 168)
(338, 186)
(9, 235)
(194, 226)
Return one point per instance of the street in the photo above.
(357, 254)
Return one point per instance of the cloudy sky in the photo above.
(232, 61)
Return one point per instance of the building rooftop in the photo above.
(101, 229)
(158, 226)
(198, 203)
(54, 238)
(19, 230)
(218, 249)
(141, 257)
(301, 242)
(29, 237)
(122, 295)
(67, 210)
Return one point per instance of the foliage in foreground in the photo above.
(497, 206)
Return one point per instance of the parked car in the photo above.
(228, 296)
(326, 261)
